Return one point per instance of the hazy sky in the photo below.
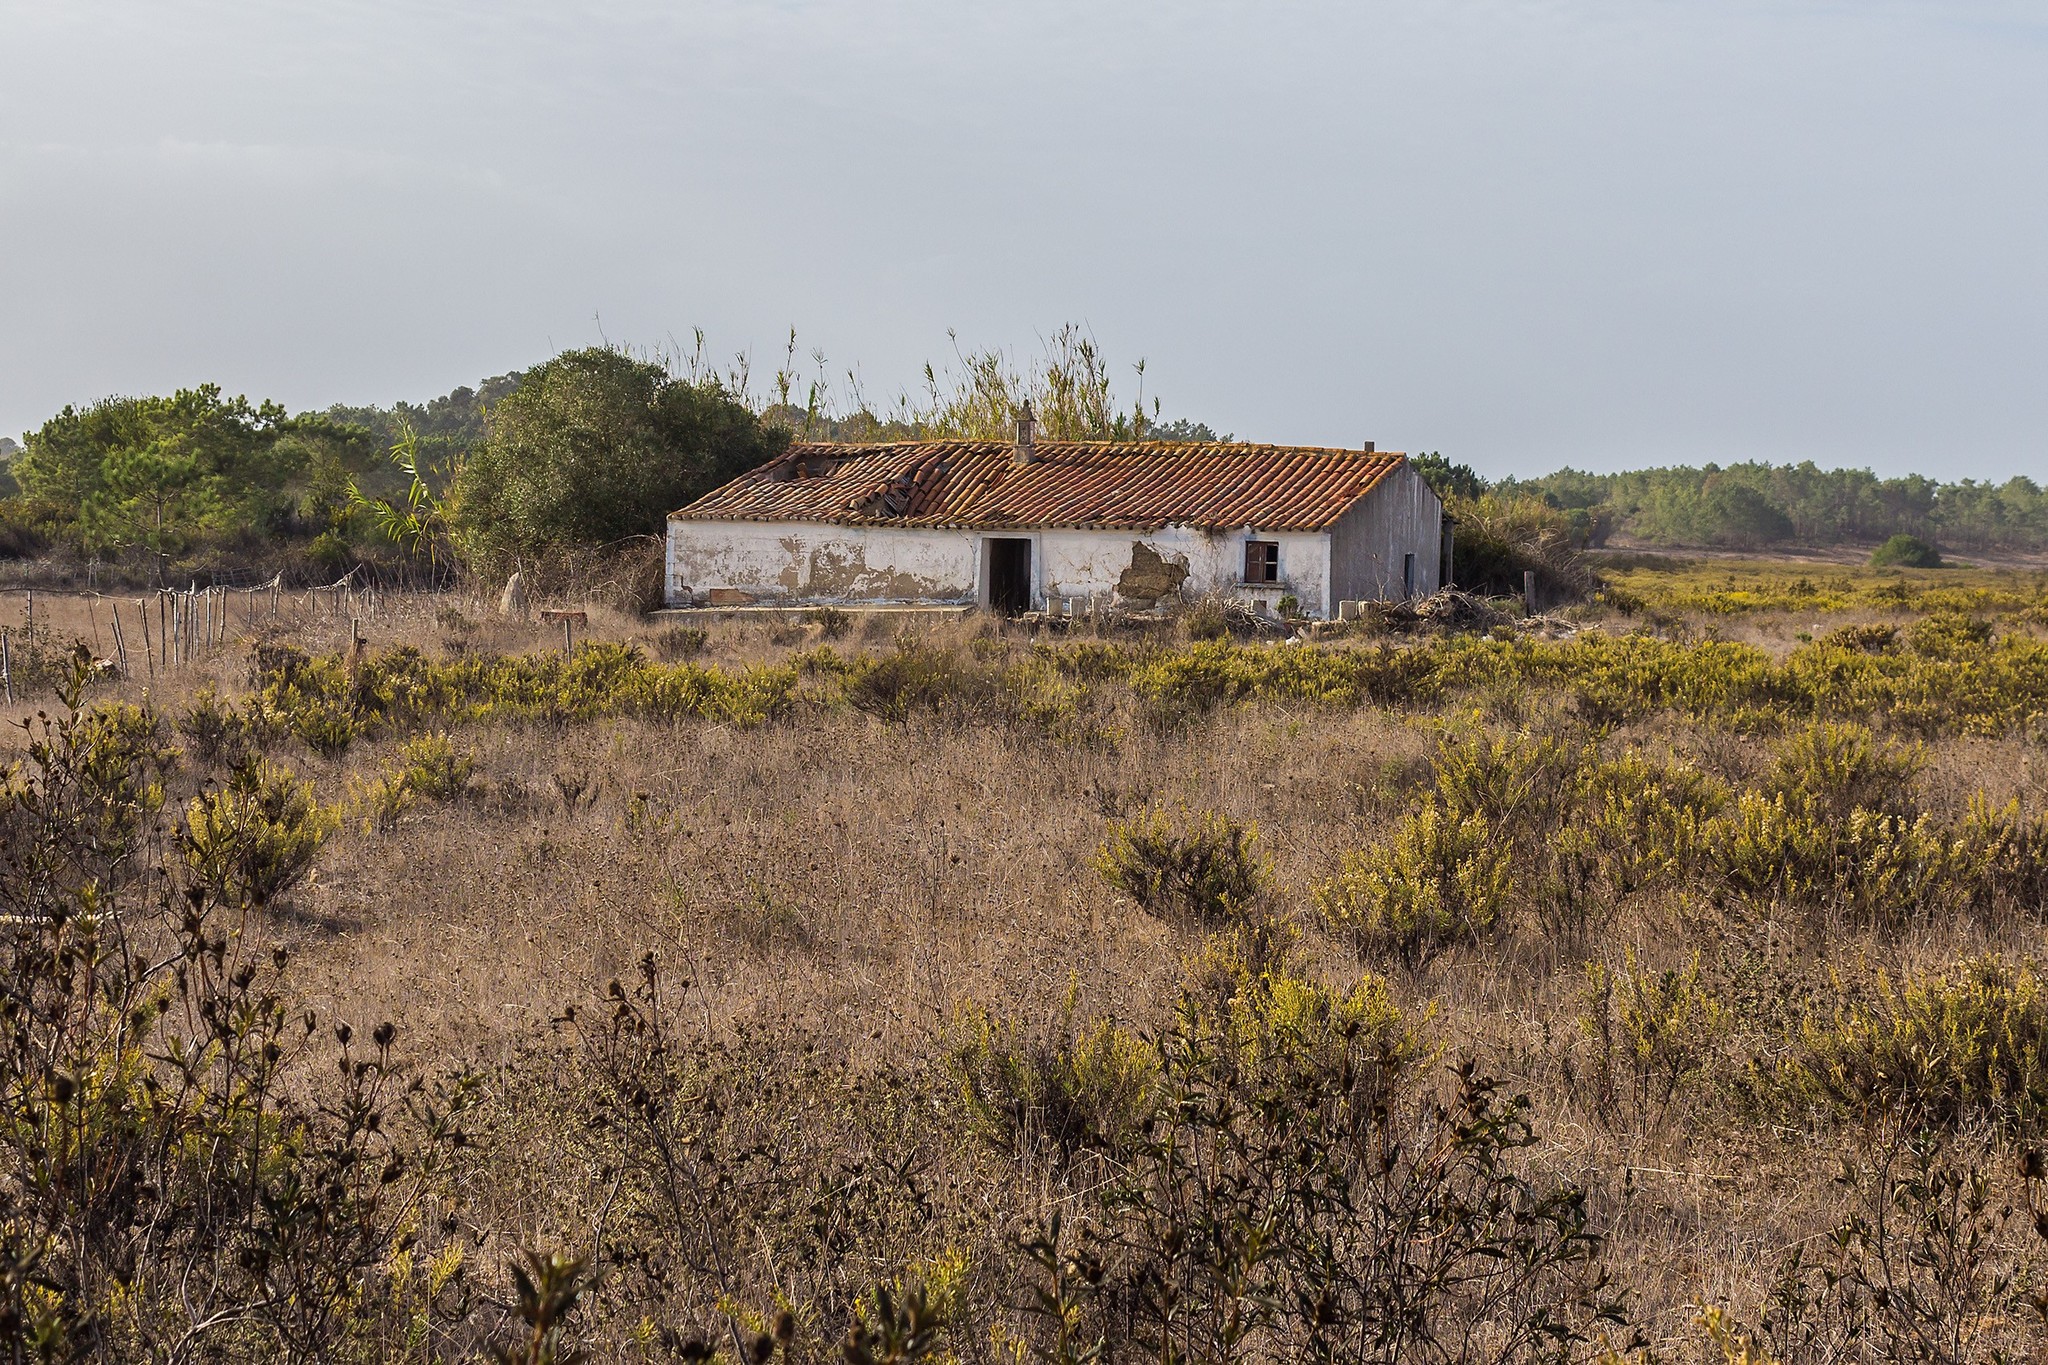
(1525, 234)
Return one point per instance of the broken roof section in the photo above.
(1121, 485)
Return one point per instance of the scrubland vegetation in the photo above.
(1660, 981)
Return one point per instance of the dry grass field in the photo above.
(1661, 980)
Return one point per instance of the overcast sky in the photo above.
(1598, 232)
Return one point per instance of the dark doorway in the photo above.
(1009, 575)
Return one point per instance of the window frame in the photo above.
(1268, 564)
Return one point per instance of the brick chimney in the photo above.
(1027, 427)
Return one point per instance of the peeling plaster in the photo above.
(790, 561)
(844, 572)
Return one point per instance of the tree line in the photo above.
(594, 447)
(591, 447)
(1754, 504)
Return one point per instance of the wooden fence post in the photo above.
(355, 651)
(120, 649)
(6, 667)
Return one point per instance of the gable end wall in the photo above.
(1402, 516)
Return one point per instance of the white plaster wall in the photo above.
(812, 561)
(807, 561)
(1087, 564)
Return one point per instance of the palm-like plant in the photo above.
(419, 519)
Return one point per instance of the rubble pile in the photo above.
(1452, 612)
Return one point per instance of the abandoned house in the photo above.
(1061, 526)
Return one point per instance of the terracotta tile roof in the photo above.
(1122, 485)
